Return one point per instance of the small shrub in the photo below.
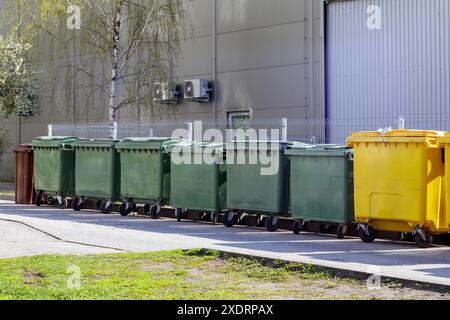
(5, 142)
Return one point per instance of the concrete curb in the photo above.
(341, 273)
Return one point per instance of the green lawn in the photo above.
(180, 275)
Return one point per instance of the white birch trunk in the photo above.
(115, 70)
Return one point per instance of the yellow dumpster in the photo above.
(399, 184)
(444, 142)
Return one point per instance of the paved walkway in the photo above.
(47, 230)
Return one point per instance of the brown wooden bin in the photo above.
(24, 174)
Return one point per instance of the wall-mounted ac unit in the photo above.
(197, 90)
(166, 93)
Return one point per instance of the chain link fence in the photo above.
(303, 130)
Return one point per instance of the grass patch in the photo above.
(192, 274)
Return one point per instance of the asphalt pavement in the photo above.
(29, 230)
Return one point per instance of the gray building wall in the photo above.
(403, 69)
(266, 57)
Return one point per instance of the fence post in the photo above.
(50, 130)
(401, 123)
(284, 125)
(115, 130)
(191, 131)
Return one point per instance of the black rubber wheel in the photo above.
(49, 200)
(270, 225)
(214, 216)
(368, 238)
(297, 226)
(38, 199)
(423, 244)
(229, 222)
(259, 221)
(125, 209)
(77, 204)
(63, 204)
(323, 228)
(340, 234)
(155, 211)
(180, 214)
(106, 209)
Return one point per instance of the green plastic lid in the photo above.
(257, 145)
(146, 143)
(199, 147)
(320, 150)
(53, 141)
(95, 143)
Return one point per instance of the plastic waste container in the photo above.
(399, 177)
(24, 187)
(97, 173)
(322, 186)
(257, 180)
(445, 144)
(198, 179)
(144, 174)
(54, 170)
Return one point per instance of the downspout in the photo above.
(311, 77)
(214, 62)
(19, 35)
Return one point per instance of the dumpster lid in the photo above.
(394, 136)
(320, 150)
(445, 138)
(23, 148)
(146, 143)
(53, 141)
(95, 143)
(258, 144)
(199, 147)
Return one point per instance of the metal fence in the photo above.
(304, 130)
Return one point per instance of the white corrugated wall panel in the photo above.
(376, 76)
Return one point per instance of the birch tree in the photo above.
(138, 39)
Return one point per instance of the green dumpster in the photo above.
(322, 186)
(198, 180)
(54, 177)
(257, 180)
(97, 173)
(144, 174)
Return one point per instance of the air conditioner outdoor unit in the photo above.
(166, 92)
(197, 90)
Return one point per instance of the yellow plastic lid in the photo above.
(393, 136)
(401, 133)
(445, 138)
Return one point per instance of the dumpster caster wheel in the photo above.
(323, 228)
(180, 214)
(38, 199)
(423, 239)
(297, 227)
(230, 219)
(259, 221)
(341, 231)
(62, 203)
(155, 211)
(125, 209)
(271, 223)
(367, 234)
(214, 216)
(77, 204)
(106, 207)
(49, 200)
